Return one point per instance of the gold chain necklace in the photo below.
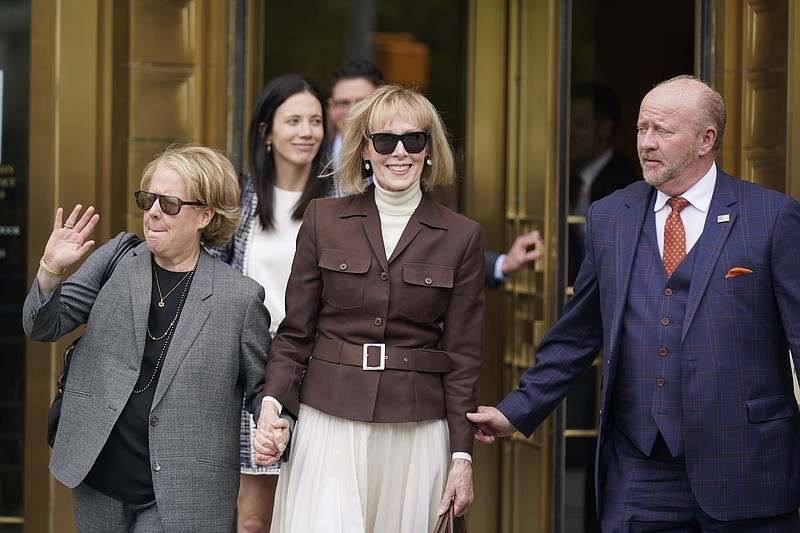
(161, 303)
(161, 336)
(163, 296)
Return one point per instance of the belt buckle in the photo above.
(365, 357)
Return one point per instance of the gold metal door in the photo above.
(512, 187)
(752, 73)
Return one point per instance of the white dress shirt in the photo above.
(693, 215)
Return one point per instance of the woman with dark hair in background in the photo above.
(285, 141)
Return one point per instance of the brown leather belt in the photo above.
(368, 356)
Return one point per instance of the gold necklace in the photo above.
(163, 296)
(169, 328)
(180, 303)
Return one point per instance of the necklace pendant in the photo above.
(161, 303)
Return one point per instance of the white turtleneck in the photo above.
(395, 209)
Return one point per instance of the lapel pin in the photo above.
(723, 218)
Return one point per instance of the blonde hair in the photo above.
(210, 179)
(376, 110)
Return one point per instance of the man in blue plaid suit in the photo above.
(699, 426)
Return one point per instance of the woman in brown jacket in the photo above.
(380, 349)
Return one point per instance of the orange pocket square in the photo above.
(737, 271)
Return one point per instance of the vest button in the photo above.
(662, 352)
(156, 466)
(378, 321)
(660, 382)
(668, 291)
(154, 421)
(665, 321)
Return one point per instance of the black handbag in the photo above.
(129, 241)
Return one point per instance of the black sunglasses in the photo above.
(385, 143)
(170, 205)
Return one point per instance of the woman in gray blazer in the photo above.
(149, 432)
(380, 349)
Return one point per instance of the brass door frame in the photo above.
(752, 74)
(793, 103)
(513, 170)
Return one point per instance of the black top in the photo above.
(122, 470)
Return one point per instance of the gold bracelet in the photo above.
(50, 270)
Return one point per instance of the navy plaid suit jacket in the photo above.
(741, 420)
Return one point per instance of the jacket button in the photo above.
(668, 291)
(156, 466)
(378, 321)
(428, 281)
(662, 352)
(154, 421)
(343, 266)
(665, 321)
(384, 276)
(660, 382)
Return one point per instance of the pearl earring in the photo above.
(428, 160)
(366, 165)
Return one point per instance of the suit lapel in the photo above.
(628, 230)
(711, 242)
(363, 206)
(424, 215)
(195, 313)
(141, 282)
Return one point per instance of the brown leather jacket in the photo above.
(427, 297)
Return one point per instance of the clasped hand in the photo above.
(271, 436)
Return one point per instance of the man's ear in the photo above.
(709, 137)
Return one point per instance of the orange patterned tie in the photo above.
(674, 235)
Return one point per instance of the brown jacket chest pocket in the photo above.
(426, 291)
(344, 275)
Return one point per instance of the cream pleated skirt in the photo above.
(344, 476)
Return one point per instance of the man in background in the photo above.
(597, 169)
(351, 82)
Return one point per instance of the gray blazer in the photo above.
(219, 350)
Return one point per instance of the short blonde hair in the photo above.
(373, 112)
(210, 179)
